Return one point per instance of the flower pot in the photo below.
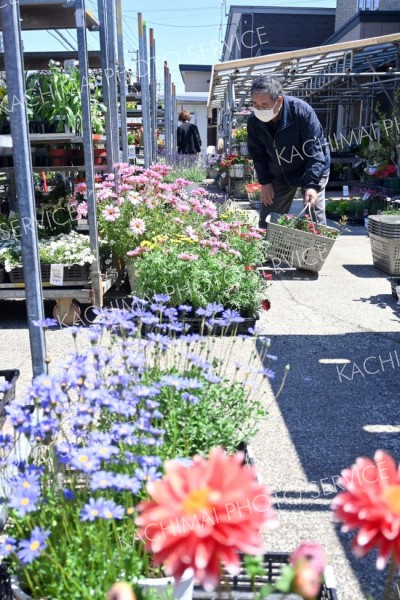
(243, 149)
(17, 593)
(59, 157)
(161, 587)
(100, 156)
(392, 183)
(212, 173)
(131, 270)
(236, 171)
(78, 157)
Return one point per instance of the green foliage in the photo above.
(55, 96)
(195, 173)
(240, 134)
(387, 149)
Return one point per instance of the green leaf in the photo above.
(285, 581)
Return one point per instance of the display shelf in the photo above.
(44, 15)
(10, 170)
(63, 296)
(38, 61)
(51, 138)
(81, 290)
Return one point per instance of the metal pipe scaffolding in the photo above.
(167, 109)
(153, 95)
(88, 150)
(15, 75)
(122, 83)
(147, 105)
(106, 69)
(144, 78)
(112, 74)
(174, 120)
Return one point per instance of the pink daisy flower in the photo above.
(186, 256)
(110, 213)
(137, 226)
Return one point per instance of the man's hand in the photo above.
(267, 194)
(310, 197)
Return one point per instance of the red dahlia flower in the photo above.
(204, 514)
(371, 504)
(266, 304)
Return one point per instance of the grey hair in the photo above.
(267, 85)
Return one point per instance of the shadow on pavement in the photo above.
(365, 271)
(383, 301)
(339, 389)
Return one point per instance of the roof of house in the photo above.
(309, 71)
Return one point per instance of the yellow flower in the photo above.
(146, 244)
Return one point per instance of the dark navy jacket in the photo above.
(188, 136)
(297, 154)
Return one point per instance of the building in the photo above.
(257, 31)
(194, 99)
(360, 19)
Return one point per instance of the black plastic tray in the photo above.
(11, 376)
(240, 586)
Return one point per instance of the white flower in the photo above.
(137, 226)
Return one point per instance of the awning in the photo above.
(346, 67)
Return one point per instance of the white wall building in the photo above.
(194, 99)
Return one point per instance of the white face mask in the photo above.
(265, 115)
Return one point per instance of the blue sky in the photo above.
(190, 32)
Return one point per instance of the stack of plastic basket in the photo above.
(384, 233)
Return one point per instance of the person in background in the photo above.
(189, 141)
(289, 150)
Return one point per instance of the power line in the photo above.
(179, 26)
(60, 41)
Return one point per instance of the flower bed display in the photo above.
(177, 243)
(67, 249)
(101, 428)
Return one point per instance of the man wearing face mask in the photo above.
(289, 150)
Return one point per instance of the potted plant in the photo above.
(239, 136)
(71, 250)
(254, 193)
(235, 165)
(204, 259)
(97, 113)
(126, 414)
(55, 96)
(61, 155)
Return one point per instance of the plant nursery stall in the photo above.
(71, 133)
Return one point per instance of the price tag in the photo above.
(366, 196)
(56, 274)
(345, 191)
(131, 151)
